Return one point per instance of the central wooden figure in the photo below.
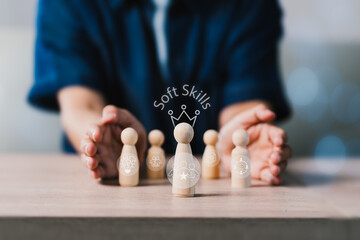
(183, 179)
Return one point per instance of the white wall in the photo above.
(22, 128)
(320, 51)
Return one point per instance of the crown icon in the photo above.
(183, 117)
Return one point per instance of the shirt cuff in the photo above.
(43, 94)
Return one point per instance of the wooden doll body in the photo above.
(155, 160)
(183, 185)
(240, 161)
(155, 163)
(129, 161)
(210, 159)
(240, 168)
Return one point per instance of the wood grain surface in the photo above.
(53, 188)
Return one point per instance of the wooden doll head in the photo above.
(240, 138)
(129, 136)
(210, 137)
(183, 133)
(156, 138)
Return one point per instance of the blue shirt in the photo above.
(226, 49)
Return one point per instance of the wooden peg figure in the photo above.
(240, 160)
(183, 186)
(129, 161)
(210, 159)
(155, 161)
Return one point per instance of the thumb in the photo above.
(244, 120)
(123, 118)
(253, 116)
(112, 114)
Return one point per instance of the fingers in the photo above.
(281, 154)
(274, 170)
(124, 119)
(112, 114)
(275, 157)
(277, 169)
(98, 172)
(88, 147)
(109, 114)
(278, 160)
(268, 177)
(89, 159)
(90, 162)
(277, 136)
(95, 133)
(246, 119)
(260, 113)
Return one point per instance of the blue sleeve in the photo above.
(252, 56)
(64, 54)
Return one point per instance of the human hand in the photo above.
(101, 146)
(267, 146)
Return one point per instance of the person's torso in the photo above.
(123, 34)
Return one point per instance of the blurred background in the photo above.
(320, 60)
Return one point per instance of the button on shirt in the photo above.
(227, 49)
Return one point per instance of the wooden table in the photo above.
(53, 197)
